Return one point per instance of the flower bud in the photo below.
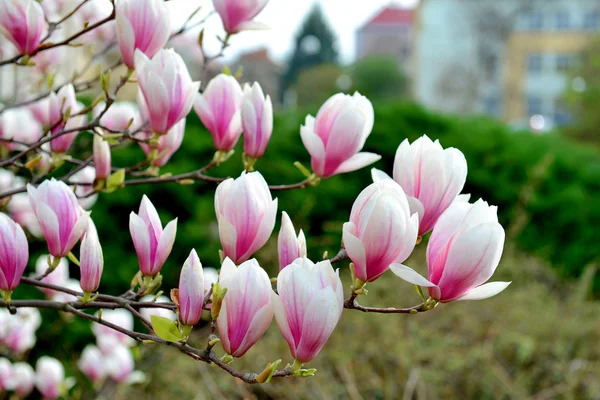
(23, 379)
(14, 253)
(246, 215)
(167, 144)
(61, 218)
(257, 120)
(22, 22)
(167, 92)
(91, 260)
(237, 15)
(102, 157)
(191, 290)
(309, 306)
(381, 230)
(335, 137)
(142, 25)
(289, 246)
(91, 363)
(49, 376)
(432, 178)
(247, 311)
(219, 108)
(462, 254)
(152, 244)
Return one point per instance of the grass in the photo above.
(539, 339)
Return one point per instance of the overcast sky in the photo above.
(284, 18)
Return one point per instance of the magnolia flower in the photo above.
(58, 105)
(381, 230)
(19, 125)
(23, 379)
(91, 260)
(289, 247)
(152, 244)
(91, 363)
(309, 306)
(62, 220)
(167, 144)
(22, 22)
(335, 137)
(118, 116)
(62, 297)
(102, 157)
(107, 337)
(5, 374)
(14, 253)
(119, 363)
(463, 252)
(219, 108)
(246, 311)
(49, 377)
(191, 290)
(257, 120)
(246, 215)
(432, 178)
(147, 313)
(142, 25)
(83, 187)
(58, 276)
(237, 15)
(167, 92)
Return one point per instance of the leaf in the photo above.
(166, 329)
(115, 180)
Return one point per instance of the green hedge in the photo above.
(561, 214)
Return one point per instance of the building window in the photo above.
(491, 105)
(534, 105)
(564, 62)
(562, 116)
(533, 20)
(591, 21)
(534, 63)
(562, 20)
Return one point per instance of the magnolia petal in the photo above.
(258, 326)
(410, 275)
(141, 241)
(165, 244)
(49, 225)
(484, 291)
(378, 175)
(76, 232)
(357, 161)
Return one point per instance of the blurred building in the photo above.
(390, 33)
(257, 66)
(509, 59)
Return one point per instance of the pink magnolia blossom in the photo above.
(432, 178)
(118, 115)
(119, 364)
(19, 125)
(22, 213)
(142, 25)
(147, 313)
(167, 92)
(152, 244)
(58, 276)
(102, 157)
(58, 104)
(14, 253)
(91, 260)
(289, 246)
(167, 144)
(49, 377)
(257, 120)
(238, 15)
(61, 218)
(219, 108)
(381, 230)
(463, 252)
(6, 371)
(93, 12)
(23, 379)
(247, 309)
(83, 187)
(91, 363)
(108, 338)
(246, 215)
(191, 290)
(335, 137)
(22, 22)
(309, 306)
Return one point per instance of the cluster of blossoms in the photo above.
(388, 218)
(48, 378)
